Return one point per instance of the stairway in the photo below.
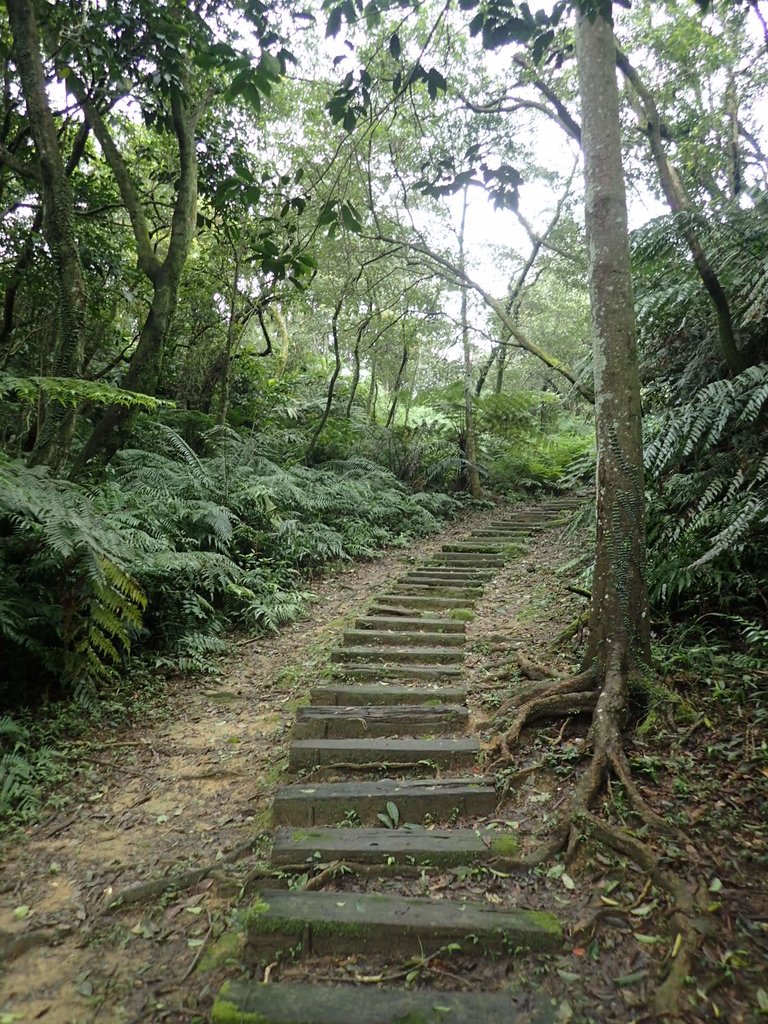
(395, 704)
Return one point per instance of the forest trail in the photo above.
(174, 814)
(396, 706)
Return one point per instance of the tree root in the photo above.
(682, 955)
(181, 880)
(372, 766)
(562, 697)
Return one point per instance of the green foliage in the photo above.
(174, 548)
(708, 505)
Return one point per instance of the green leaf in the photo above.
(393, 812)
(334, 23)
(394, 45)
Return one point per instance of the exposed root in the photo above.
(532, 669)
(686, 943)
(181, 880)
(563, 697)
(372, 766)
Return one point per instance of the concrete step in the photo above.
(455, 753)
(427, 623)
(402, 638)
(372, 720)
(384, 673)
(438, 589)
(502, 536)
(456, 575)
(479, 547)
(467, 558)
(253, 1002)
(441, 847)
(400, 655)
(347, 696)
(429, 602)
(342, 923)
(327, 803)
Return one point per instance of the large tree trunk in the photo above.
(55, 435)
(146, 363)
(619, 614)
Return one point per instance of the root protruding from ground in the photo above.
(607, 699)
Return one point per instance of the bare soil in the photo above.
(193, 790)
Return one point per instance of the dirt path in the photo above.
(166, 797)
(193, 790)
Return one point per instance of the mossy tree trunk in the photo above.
(145, 366)
(619, 614)
(58, 225)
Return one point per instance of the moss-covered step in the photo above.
(374, 720)
(378, 673)
(505, 536)
(325, 803)
(253, 1002)
(478, 547)
(439, 846)
(383, 693)
(341, 923)
(455, 753)
(400, 655)
(448, 577)
(440, 589)
(401, 638)
(466, 558)
(407, 623)
(428, 602)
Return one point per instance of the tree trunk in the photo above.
(619, 618)
(145, 366)
(680, 204)
(470, 440)
(396, 389)
(55, 435)
(331, 384)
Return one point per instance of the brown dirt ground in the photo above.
(188, 790)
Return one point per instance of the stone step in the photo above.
(479, 547)
(440, 589)
(466, 558)
(441, 847)
(402, 638)
(327, 803)
(452, 574)
(521, 525)
(410, 623)
(253, 1002)
(347, 696)
(457, 752)
(502, 536)
(383, 673)
(400, 655)
(342, 923)
(336, 722)
(429, 602)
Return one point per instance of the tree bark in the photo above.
(55, 435)
(145, 366)
(680, 204)
(619, 620)
(331, 384)
(470, 438)
(396, 388)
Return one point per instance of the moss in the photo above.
(226, 948)
(225, 1012)
(254, 912)
(461, 614)
(504, 845)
